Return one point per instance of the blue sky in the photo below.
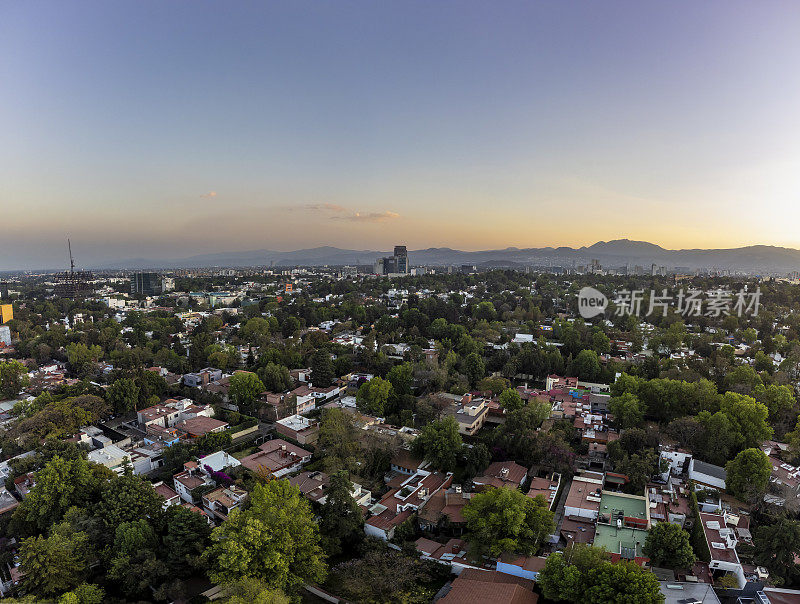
(165, 129)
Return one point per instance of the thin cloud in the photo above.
(325, 207)
(337, 212)
(209, 194)
(370, 216)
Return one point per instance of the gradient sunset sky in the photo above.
(166, 129)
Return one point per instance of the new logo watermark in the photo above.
(591, 302)
(689, 303)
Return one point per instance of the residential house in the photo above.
(202, 377)
(277, 457)
(475, 586)
(470, 412)
(444, 510)
(190, 479)
(525, 567)
(406, 463)
(706, 475)
(298, 428)
(583, 498)
(314, 487)
(8, 503)
(622, 526)
(502, 474)
(200, 426)
(169, 495)
(221, 501)
(546, 488)
(722, 536)
(401, 502)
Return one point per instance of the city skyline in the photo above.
(150, 130)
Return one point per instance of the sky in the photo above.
(165, 129)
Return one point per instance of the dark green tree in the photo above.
(439, 443)
(342, 524)
(669, 545)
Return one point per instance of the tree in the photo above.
(85, 593)
(402, 379)
(748, 416)
(60, 484)
(777, 547)
(476, 460)
(506, 520)
(53, 565)
(495, 384)
(251, 591)
(627, 410)
(748, 475)
(123, 395)
(255, 330)
(372, 396)
(127, 498)
(474, 368)
(440, 443)
(510, 400)
(187, 536)
(275, 540)
(586, 365)
(668, 545)
(383, 575)
(583, 574)
(82, 358)
(276, 378)
(337, 441)
(244, 388)
(621, 583)
(564, 576)
(13, 378)
(342, 521)
(321, 369)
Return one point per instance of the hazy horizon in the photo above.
(167, 130)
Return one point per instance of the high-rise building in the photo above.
(145, 284)
(393, 265)
(401, 258)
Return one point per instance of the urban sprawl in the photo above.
(399, 433)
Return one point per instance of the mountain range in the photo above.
(611, 254)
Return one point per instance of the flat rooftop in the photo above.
(630, 505)
(626, 541)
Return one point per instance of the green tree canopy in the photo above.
(777, 547)
(123, 395)
(627, 409)
(668, 545)
(503, 520)
(584, 574)
(322, 369)
(275, 540)
(53, 565)
(244, 388)
(510, 400)
(439, 442)
(748, 475)
(13, 378)
(372, 396)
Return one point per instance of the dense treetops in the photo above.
(108, 538)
